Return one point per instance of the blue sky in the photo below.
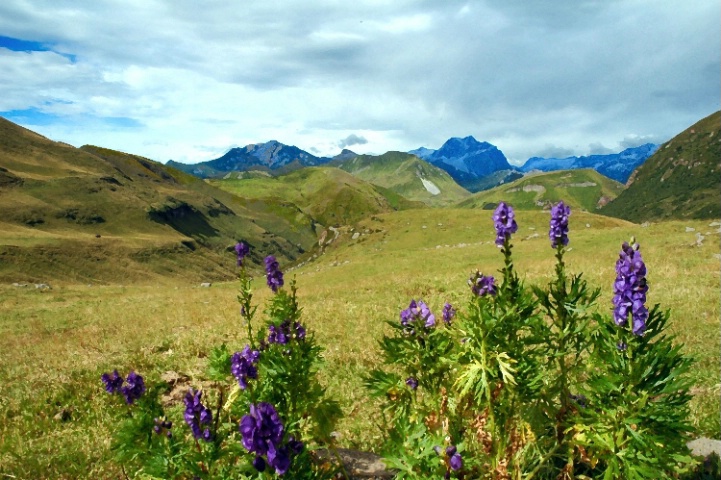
(184, 81)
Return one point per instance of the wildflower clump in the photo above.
(533, 382)
(263, 412)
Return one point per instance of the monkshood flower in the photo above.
(558, 233)
(113, 382)
(163, 426)
(448, 313)
(482, 285)
(197, 414)
(262, 433)
(243, 366)
(454, 458)
(283, 333)
(242, 250)
(412, 382)
(274, 277)
(630, 289)
(504, 222)
(417, 311)
(134, 388)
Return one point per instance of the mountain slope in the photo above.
(327, 195)
(93, 214)
(406, 175)
(583, 189)
(681, 180)
(271, 155)
(617, 166)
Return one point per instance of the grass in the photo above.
(55, 344)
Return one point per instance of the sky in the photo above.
(187, 80)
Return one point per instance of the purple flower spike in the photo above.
(134, 389)
(448, 313)
(482, 285)
(558, 232)
(262, 433)
(243, 366)
(417, 311)
(113, 382)
(630, 289)
(273, 274)
(242, 250)
(504, 222)
(455, 461)
(197, 414)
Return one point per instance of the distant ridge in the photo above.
(681, 180)
(617, 166)
(271, 155)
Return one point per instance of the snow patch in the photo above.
(431, 187)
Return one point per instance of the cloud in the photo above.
(552, 77)
(351, 140)
(598, 148)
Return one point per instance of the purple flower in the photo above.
(630, 289)
(113, 382)
(454, 458)
(482, 285)
(163, 426)
(197, 414)
(241, 249)
(558, 233)
(242, 366)
(448, 313)
(299, 331)
(262, 433)
(505, 223)
(412, 382)
(134, 389)
(274, 277)
(417, 311)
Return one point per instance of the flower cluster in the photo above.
(113, 382)
(282, 334)
(451, 458)
(197, 414)
(133, 389)
(274, 276)
(558, 232)
(242, 250)
(417, 312)
(482, 285)
(262, 432)
(505, 223)
(163, 426)
(448, 313)
(630, 289)
(243, 366)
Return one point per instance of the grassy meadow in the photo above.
(55, 419)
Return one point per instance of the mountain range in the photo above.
(617, 166)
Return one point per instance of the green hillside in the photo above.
(98, 215)
(583, 189)
(681, 180)
(327, 195)
(407, 175)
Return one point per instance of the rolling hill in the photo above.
(406, 175)
(583, 189)
(93, 214)
(329, 196)
(681, 180)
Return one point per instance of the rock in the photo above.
(43, 286)
(699, 239)
(360, 465)
(645, 224)
(63, 415)
(714, 224)
(588, 225)
(20, 285)
(704, 446)
(206, 284)
(355, 236)
(690, 229)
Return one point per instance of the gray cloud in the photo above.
(351, 140)
(598, 148)
(547, 78)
